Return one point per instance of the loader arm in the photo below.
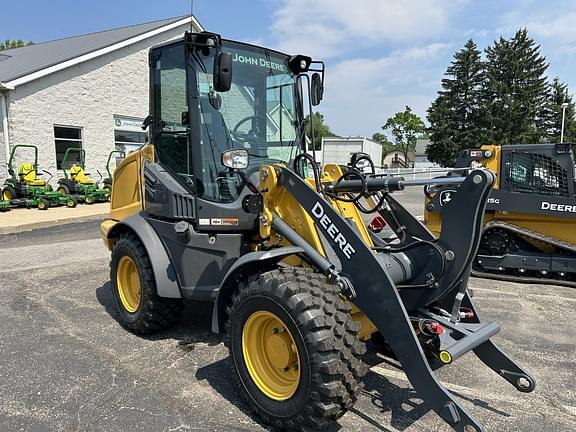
(367, 283)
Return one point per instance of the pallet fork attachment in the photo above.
(392, 308)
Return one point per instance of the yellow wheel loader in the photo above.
(226, 206)
(529, 233)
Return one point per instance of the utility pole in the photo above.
(564, 106)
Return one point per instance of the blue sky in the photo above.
(381, 54)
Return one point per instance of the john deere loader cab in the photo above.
(25, 188)
(220, 208)
(530, 215)
(77, 182)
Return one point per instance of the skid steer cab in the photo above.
(225, 206)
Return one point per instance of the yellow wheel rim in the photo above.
(128, 282)
(6, 195)
(271, 355)
(41, 205)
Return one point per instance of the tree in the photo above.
(387, 145)
(320, 128)
(443, 148)
(552, 120)
(12, 43)
(516, 90)
(406, 127)
(457, 116)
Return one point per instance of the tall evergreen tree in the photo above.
(443, 148)
(457, 116)
(516, 90)
(552, 121)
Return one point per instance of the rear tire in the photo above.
(63, 189)
(141, 310)
(322, 333)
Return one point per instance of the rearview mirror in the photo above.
(235, 158)
(222, 72)
(316, 89)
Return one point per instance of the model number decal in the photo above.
(333, 231)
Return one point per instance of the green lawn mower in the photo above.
(107, 182)
(76, 181)
(25, 189)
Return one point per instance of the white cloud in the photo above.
(542, 21)
(561, 27)
(552, 25)
(327, 28)
(362, 93)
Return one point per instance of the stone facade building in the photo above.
(88, 91)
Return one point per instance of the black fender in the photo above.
(248, 264)
(167, 284)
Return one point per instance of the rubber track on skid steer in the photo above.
(526, 233)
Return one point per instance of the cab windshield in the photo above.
(194, 123)
(258, 113)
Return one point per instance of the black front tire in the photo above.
(330, 353)
(71, 202)
(43, 204)
(154, 313)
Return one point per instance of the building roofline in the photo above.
(346, 139)
(10, 85)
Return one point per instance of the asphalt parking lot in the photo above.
(67, 365)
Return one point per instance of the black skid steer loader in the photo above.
(225, 206)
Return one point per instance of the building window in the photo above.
(66, 137)
(128, 138)
(128, 133)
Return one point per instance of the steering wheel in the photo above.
(252, 134)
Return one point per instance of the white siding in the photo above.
(374, 149)
(340, 150)
(87, 95)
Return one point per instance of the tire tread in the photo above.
(330, 334)
(157, 313)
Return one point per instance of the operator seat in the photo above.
(78, 175)
(27, 175)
